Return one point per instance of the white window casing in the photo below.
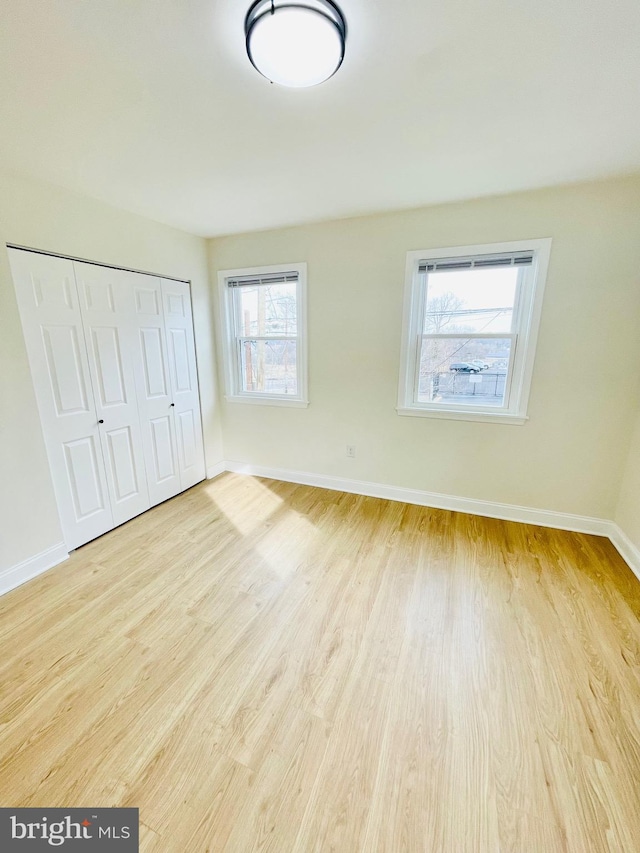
(236, 336)
(531, 258)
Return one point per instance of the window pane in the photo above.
(466, 371)
(267, 310)
(269, 367)
(470, 300)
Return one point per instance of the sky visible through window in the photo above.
(470, 300)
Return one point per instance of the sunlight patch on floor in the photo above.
(283, 553)
(256, 505)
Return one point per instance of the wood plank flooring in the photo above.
(260, 666)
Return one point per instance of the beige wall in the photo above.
(569, 457)
(628, 511)
(44, 217)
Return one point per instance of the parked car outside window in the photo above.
(464, 367)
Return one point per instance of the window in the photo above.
(470, 325)
(265, 353)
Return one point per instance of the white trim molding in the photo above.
(216, 470)
(625, 547)
(26, 570)
(453, 415)
(267, 401)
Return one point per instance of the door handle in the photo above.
(100, 421)
(171, 405)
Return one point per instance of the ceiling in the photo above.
(152, 106)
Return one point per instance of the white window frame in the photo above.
(524, 334)
(231, 355)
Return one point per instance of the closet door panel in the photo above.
(105, 303)
(106, 349)
(183, 377)
(154, 390)
(152, 348)
(83, 461)
(122, 458)
(52, 324)
(188, 442)
(65, 369)
(164, 450)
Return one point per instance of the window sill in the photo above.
(459, 415)
(293, 403)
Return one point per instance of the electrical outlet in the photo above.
(351, 451)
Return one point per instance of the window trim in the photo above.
(233, 392)
(527, 309)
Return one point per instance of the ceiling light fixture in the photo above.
(295, 43)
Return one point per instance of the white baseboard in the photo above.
(216, 470)
(36, 565)
(507, 512)
(625, 547)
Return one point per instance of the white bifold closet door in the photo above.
(155, 394)
(52, 324)
(110, 343)
(183, 376)
(113, 362)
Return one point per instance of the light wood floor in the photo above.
(263, 666)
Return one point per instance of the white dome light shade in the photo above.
(295, 46)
